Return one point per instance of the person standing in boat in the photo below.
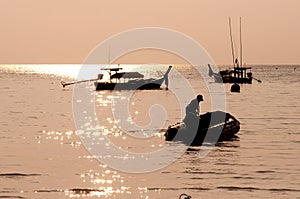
(237, 63)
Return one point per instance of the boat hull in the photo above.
(238, 75)
(233, 80)
(131, 85)
(222, 127)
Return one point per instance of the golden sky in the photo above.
(66, 31)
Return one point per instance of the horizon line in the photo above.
(56, 63)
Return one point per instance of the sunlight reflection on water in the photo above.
(262, 163)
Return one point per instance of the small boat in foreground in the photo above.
(213, 126)
(130, 81)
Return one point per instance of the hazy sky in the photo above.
(65, 31)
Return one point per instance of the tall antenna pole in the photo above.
(241, 46)
(232, 48)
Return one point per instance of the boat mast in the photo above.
(109, 72)
(241, 47)
(232, 48)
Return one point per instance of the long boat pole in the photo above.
(64, 84)
(231, 40)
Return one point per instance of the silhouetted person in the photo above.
(192, 118)
(237, 63)
(193, 106)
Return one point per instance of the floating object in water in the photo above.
(213, 126)
(235, 88)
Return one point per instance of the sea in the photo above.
(47, 152)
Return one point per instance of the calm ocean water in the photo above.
(43, 157)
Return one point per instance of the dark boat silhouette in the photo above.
(237, 75)
(130, 81)
(213, 126)
(119, 80)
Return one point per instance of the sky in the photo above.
(65, 31)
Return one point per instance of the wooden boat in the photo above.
(119, 80)
(213, 126)
(238, 75)
(130, 81)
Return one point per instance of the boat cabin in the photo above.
(241, 72)
(116, 75)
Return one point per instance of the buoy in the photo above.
(235, 88)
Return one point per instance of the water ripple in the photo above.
(17, 175)
(236, 188)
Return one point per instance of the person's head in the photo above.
(199, 98)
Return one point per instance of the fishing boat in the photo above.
(239, 74)
(213, 126)
(120, 80)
